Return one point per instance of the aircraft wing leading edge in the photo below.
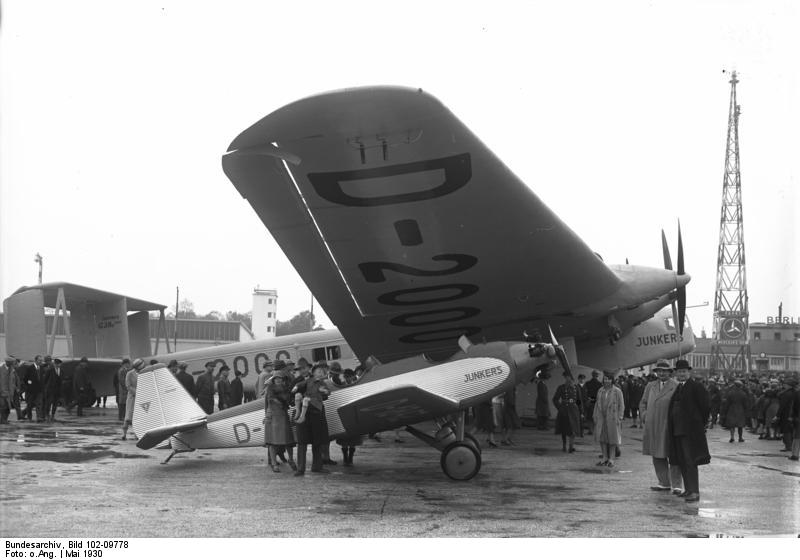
(406, 228)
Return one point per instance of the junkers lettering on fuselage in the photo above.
(483, 374)
(658, 340)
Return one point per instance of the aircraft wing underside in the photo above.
(406, 228)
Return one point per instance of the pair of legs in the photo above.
(691, 480)
(740, 434)
(273, 450)
(125, 427)
(564, 439)
(50, 405)
(347, 454)
(669, 476)
(608, 451)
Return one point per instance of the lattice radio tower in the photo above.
(730, 350)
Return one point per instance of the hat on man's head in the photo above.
(172, 363)
(278, 365)
(57, 361)
(682, 364)
(183, 365)
(212, 364)
(224, 368)
(336, 367)
(84, 360)
(662, 365)
(302, 362)
(126, 361)
(738, 382)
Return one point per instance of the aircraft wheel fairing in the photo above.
(461, 461)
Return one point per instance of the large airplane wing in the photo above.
(406, 228)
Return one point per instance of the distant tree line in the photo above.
(300, 323)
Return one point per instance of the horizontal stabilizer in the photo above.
(393, 408)
(153, 437)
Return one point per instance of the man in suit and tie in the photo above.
(688, 413)
(33, 382)
(654, 414)
(52, 389)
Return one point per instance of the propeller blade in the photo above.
(681, 270)
(681, 308)
(561, 354)
(681, 291)
(665, 248)
(562, 359)
(552, 336)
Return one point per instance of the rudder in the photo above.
(162, 401)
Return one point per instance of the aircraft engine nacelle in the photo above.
(646, 343)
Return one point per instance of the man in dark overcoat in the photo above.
(33, 384)
(52, 389)
(186, 379)
(205, 388)
(688, 411)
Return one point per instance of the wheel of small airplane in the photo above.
(461, 461)
(469, 438)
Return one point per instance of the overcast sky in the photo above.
(114, 117)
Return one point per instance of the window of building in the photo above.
(777, 336)
(756, 335)
(270, 301)
(797, 336)
(699, 361)
(776, 362)
(269, 314)
(334, 352)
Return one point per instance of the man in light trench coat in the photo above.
(654, 410)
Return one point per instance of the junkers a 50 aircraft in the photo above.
(433, 259)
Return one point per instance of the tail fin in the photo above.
(163, 407)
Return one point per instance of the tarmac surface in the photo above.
(76, 478)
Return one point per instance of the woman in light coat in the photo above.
(608, 411)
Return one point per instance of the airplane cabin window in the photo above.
(334, 353)
(317, 354)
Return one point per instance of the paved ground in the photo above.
(75, 478)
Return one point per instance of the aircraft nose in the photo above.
(683, 279)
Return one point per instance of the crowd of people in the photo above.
(673, 409)
(44, 386)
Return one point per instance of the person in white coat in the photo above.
(608, 411)
(654, 412)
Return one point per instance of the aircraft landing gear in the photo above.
(461, 453)
(461, 460)
(177, 446)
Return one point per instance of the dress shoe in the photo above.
(659, 488)
(785, 450)
(693, 497)
(328, 462)
(617, 453)
(741, 440)
(794, 458)
(321, 471)
(730, 440)
(299, 473)
(677, 492)
(683, 494)
(572, 450)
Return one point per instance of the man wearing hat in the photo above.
(205, 388)
(185, 379)
(263, 378)
(122, 390)
(654, 413)
(52, 388)
(688, 412)
(224, 388)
